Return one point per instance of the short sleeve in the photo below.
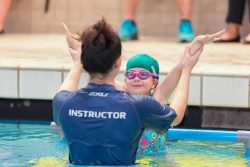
(154, 115)
(58, 102)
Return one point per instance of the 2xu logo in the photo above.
(100, 94)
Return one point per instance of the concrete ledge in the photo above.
(33, 67)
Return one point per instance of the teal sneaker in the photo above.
(128, 30)
(186, 33)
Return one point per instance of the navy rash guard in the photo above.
(103, 126)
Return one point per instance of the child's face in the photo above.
(140, 86)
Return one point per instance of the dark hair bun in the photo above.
(99, 41)
(101, 47)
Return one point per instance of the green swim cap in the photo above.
(143, 61)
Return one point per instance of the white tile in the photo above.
(225, 91)
(194, 97)
(161, 77)
(37, 84)
(83, 80)
(120, 77)
(85, 77)
(8, 83)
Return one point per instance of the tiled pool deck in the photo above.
(33, 67)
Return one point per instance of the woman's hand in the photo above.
(209, 38)
(73, 44)
(201, 40)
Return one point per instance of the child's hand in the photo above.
(189, 61)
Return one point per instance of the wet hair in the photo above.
(101, 47)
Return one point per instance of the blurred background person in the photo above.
(234, 21)
(129, 30)
(4, 8)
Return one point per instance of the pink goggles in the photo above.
(142, 74)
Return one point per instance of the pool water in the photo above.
(31, 144)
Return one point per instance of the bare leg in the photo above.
(128, 29)
(4, 8)
(232, 31)
(185, 9)
(186, 33)
(130, 8)
(247, 38)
